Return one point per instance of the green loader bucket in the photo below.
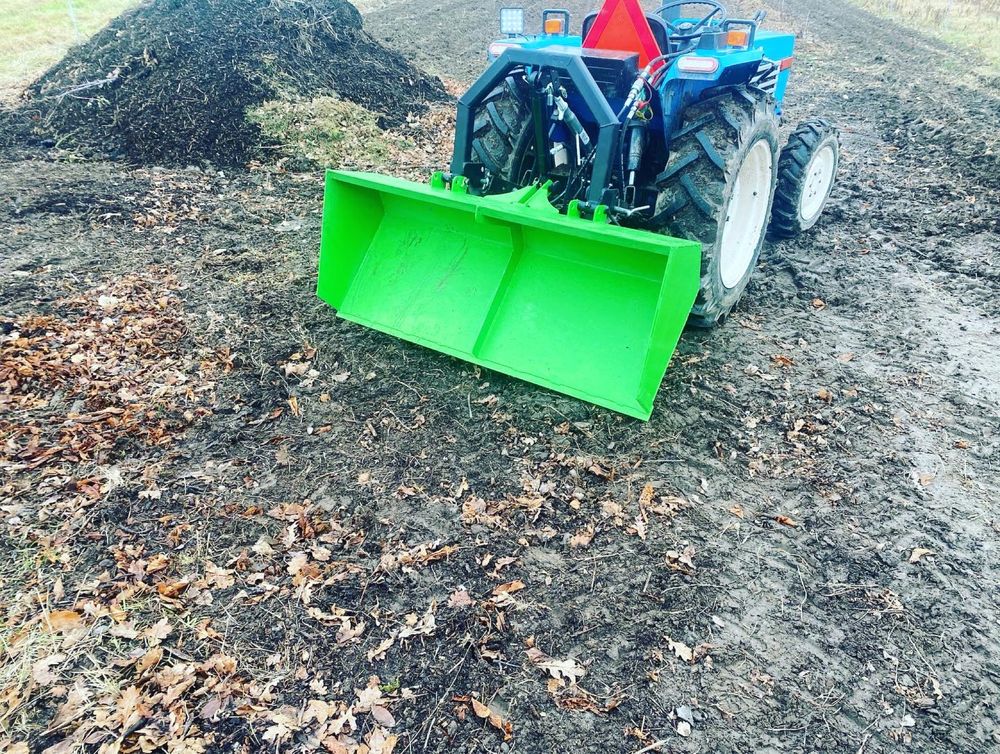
(580, 306)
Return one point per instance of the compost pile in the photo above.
(170, 82)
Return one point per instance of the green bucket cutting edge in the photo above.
(580, 306)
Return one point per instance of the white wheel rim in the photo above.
(746, 214)
(819, 178)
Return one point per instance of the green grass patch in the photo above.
(327, 131)
(974, 24)
(34, 34)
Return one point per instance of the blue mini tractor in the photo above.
(605, 189)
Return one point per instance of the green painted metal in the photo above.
(586, 308)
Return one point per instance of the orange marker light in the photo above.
(738, 38)
(554, 26)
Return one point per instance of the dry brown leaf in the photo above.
(682, 650)
(158, 631)
(63, 620)
(297, 562)
(681, 561)
(480, 709)
(283, 456)
(157, 563)
(786, 521)
(41, 671)
(460, 598)
(212, 707)
(918, 553)
(737, 510)
(640, 527)
(583, 537)
(782, 360)
(171, 589)
(561, 670)
(484, 712)
(509, 588)
(149, 660)
(646, 496)
(382, 716)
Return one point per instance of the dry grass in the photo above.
(34, 34)
(971, 23)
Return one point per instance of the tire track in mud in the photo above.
(924, 312)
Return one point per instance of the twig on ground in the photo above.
(652, 747)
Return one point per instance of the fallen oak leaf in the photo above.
(681, 561)
(382, 716)
(212, 707)
(460, 598)
(484, 712)
(682, 650)
(171, 589)
(509, 588)
(149, 660)
(640, 527)
(349, 632)
(62, 620)
(41, 671)
(646, 496)
(424, 625)
(480, 709)
(378, 653)
(158, 631)
(583, 537)
(782, 360)
(562, 670)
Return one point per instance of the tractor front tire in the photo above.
(503, 138)
(717, 188)
(807, 171)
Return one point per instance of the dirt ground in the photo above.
(798, 553)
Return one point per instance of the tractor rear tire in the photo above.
(717, 188)
(807, 171)
(502, 140)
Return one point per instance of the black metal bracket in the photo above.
(567, 60)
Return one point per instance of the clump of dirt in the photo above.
(170, 82)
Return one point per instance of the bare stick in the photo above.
(653, 746)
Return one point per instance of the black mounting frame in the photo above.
(558, 58)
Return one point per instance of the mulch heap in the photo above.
(170, 81)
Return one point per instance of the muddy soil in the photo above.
(798, 553)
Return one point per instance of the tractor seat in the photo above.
(656, 25)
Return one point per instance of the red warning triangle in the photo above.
(621, 25)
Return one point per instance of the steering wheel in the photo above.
(688, 30)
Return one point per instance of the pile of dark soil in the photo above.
(170, 81)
